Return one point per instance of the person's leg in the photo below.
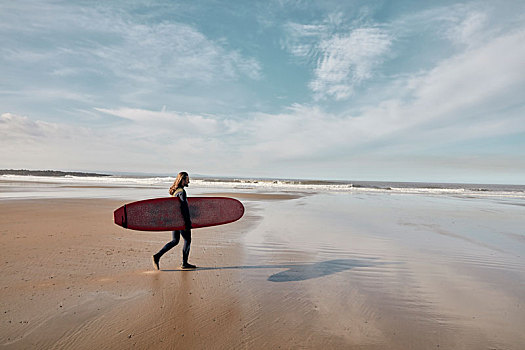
(186, 249)
(175, 240)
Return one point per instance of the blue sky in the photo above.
(363, 90)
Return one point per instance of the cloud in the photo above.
(268, 137)
(172, 122)
(301, 39)
(100, 47)
(26, 142)
(459, 100)
(54, 94)
(41, 144)
(170, 51)
(347, 60)
(465, 25)
(477, 77)
(21, 129)
(343, 57)
(469, 28)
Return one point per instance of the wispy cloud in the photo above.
(347, 60)
(42, 144)
(100, 47)
(170, 51)
(468, 28)
(172, 122)
(343, 56)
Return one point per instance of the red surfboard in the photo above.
(163, 214)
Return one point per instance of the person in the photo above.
(177, 190)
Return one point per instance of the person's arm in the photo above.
(185, 210)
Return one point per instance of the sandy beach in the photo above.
(317, 270)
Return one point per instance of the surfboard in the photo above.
(164, 214)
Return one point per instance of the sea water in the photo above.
(18, 186)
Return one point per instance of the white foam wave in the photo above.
(91, 180)
(260, 185)
(285, 186)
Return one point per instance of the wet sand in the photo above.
(318, 271)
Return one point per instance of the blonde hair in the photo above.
(181, 176)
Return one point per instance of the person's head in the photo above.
(182, 180)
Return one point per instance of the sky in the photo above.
(430, 91)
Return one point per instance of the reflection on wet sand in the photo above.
(298, 271)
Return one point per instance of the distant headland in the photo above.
(53, 173)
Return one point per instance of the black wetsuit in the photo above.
(186, 234)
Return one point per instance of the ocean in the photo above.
(28, 186)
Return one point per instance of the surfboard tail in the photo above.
(120, 216)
